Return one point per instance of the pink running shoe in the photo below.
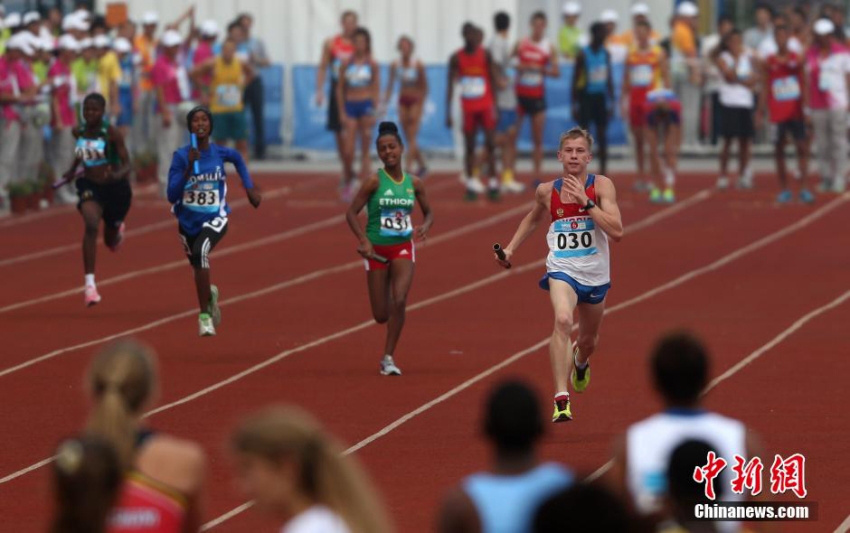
(92, 297)
(117, 246)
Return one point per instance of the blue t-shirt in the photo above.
(202, 197)
(507, 504)
(596, 66)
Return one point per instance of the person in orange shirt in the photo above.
(145, 47)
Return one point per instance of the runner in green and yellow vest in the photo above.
(387, 243)
(230, 75)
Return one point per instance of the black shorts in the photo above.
(795, 128)
(113, 198)
(736, 123)
(593, 108)
(531, 106)
(334, 123)
(199, 246)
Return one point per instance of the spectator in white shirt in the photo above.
(753, 37)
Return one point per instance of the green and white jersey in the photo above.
(390, 208)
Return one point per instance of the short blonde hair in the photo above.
(576, 133)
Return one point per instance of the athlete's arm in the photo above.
(253, 192)
(423, 80)
(458, 514)
(117, 139)
(530, 221)
(553, 71)
(450, 86)
(422, 199)
(324, 62)
(606, 214)
(357, 205)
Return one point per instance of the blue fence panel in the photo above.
(272, 78)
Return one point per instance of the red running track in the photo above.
(306, 303)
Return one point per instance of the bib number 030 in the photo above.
(574, 240)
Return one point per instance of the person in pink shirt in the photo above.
(171, 85)
(203, 52)
(63, 119)
(828, 79)
(31, 149)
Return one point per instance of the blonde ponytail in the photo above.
(327, 477)
(121, 380)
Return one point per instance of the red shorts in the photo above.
(403, 251)
(479, 117)
(638, 110)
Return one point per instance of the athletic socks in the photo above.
(89, 280)
(493, 183)
(669, 178)
(560, 396)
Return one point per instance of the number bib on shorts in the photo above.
(395, 222)
(574, 237)
(203, 197)
(473, 87)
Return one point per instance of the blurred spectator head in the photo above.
(467, 31)
(122, 381)
(209, 30)
(362, 41)
(824, 29)
(171, 41)
(32, 21)
(405, 46)
(680, 362)
(236, 32)
(285, 458)
(781, 33)
(349, 22)
(13, 22)
(682, 491)
(639, 12)
(68, 48)
(688, 12)
(598, 34)
(87, 49)
(502, 21)
(643, 32)
(571, 11)
(609, 18)
(588, 508)
(764, 15)
(247, 22)
(101, 44)
(538, 25)
(87, 477)
(512, 420)
(98, 25)
(798, 18)
(20, 46)
(122, 46)
(54, 18)
(127, 30)
(228, 50)
(150, 21)
(725, 25)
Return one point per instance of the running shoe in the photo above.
(722, 182)
(579, 377)
(117, 245)
(806, 196)
(655, 195)
(475, 186)
(388, 367)
(512, 187)
(745, 181)
(669, 196)
(562, 409)
(214, 310)
(91, 296)
(206, 328)
(784, 197)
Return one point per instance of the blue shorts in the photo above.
(359, 109)
(507, 120)
(586, 293)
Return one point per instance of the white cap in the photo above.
(30, 17)
(687, 9)
(13, 20)
(86, 43)
(82, 14)
(639, 9)
(824, 27)
(122, 46)
(572, 8)
(47, 44)
(21, 41)
(67, 42)
(609, 15)
(73, 22)
(150, 17)
(171, 38)
(101, 41)
(209, 28)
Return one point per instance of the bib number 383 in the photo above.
(201, 199)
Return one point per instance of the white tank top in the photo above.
(577, 247)
(650, 442)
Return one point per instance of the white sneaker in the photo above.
(388, 367)
(206, 328)
(91, 296)
(722, 182)
(839, 186)
(474, 185)
(514, 187)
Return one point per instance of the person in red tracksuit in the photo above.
(472, 67)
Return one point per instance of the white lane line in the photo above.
(271, 239)
(316, 274)
(699, 197)
(843, 527)
(531, 349)
(148, 228)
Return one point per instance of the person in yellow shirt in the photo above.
(230, 75)
(108, 73)
(570, 36)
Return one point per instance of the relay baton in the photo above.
(197, 168)
(500, 253)
(380, 258)
(59, 183)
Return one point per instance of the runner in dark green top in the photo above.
(387, 243)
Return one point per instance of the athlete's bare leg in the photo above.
(564, 300)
